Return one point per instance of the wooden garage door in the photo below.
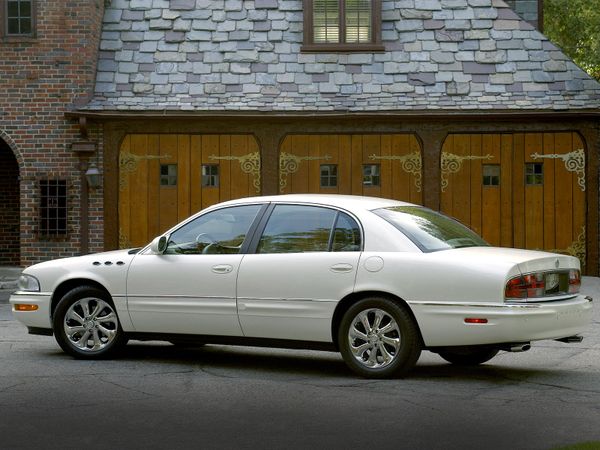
(165, 178)
(359, 164)
(518, 190)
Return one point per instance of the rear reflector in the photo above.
(475, 320)
(24, 307)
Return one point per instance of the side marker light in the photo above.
(475, 320)
(24, 307)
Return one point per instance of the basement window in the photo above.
(53, 207)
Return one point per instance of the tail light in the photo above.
(543, 284)
(574, 281)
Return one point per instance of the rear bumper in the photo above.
(443, 324)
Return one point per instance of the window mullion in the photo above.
(342, 21)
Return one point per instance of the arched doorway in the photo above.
(10, 253)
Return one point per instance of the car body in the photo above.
(377, 279)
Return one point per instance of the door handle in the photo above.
(222, 268)
(341, 268)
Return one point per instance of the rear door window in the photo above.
(300, 228)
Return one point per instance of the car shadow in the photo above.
(234, 362)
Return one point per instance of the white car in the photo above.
(379, 280)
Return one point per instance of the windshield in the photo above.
(429, 230)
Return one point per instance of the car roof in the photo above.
(341, 201)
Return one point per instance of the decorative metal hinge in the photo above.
(452, 163)
(574, 162)
(128, 163)
(290, 163)
(411, 163)
(249, 164)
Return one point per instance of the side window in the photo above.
(346, 235)
(297, 229)
(217, 232)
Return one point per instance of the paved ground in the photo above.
(158, 396)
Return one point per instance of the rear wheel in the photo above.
(468, 356)
(86, 325)
(378, 338)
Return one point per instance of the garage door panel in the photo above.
(518, 186)
(506, 182)
(148, 207)
(475, 188)
(540, 202)
(138, 198)
(183, 183)
(564, 193)
(396, 155)
(549, 193)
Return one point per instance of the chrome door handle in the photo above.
(222, 268)
(341, 268)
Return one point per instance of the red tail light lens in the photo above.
(526, 286)
(543, 284)
(574, 281)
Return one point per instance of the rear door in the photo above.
(305, 261)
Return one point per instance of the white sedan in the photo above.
(377, 280)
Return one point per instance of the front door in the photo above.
(191, 288)
(305, 262)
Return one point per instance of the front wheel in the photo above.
(468, 356)
(86, 325)
(378, 338)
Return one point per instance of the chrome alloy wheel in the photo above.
(374, 338)
(90, 324)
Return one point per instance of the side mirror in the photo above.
(158, 245)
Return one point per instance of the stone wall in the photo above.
(42, 78)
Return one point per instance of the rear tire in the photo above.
(378, 338)
(468, 356)
(86, 325)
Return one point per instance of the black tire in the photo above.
(468, 356)
(374, 361)
(99, 325)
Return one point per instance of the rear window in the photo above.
(429, 230)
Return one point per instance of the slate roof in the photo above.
(244, 55)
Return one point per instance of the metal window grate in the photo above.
(210, 175)
(19, 17)
(53, 207)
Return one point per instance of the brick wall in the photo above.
(9, 209)
(41, 79)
